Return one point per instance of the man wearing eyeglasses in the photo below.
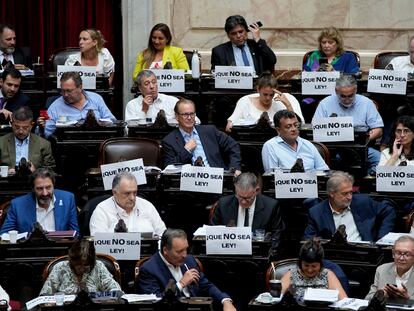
(191, 142)
(347, 103)
(74, 104)
(396, 278)
(21, 143)
(364, 219)
(249, 208)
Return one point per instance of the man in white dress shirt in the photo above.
(139, 215)
(404, 63)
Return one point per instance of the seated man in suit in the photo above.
(173, 263)
(54, 209)
(285, 149)
(396, 278)
(10, 97)
(190, 142)
(247, 207)
(9, 52)
(21, 143)
(241, 51)
(364, 218)
(74, 104)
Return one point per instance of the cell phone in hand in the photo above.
(43, 114)
(323, 60)
(259, 23)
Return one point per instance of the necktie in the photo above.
(246, 217)
(4, 62)
(244, 55)
(2, 101)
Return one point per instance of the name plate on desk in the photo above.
(201, 179)
(170, 80)
(228, 240)
(319, 83)
(387, 81)
(333, 129)
(233, 77)
(296, 185)
(135, 167)
(121, 246)
(395, 178)
(87, 73)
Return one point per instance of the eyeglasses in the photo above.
(343, 96)
(68, 91)
(187, 115)
(247, 199)
(399, 254)
(403, 131)
(345, 194)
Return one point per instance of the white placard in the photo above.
(319, 82)
(201, 179)
(121, 246)
(387, 81)
(135, 167)
(395, 178)
(296, 185)
(228, 240)
(233, 77)
(87, 73)
(170, 80)
(333, 129)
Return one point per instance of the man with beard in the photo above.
(364, 219)
(54, 209)
(9, 53)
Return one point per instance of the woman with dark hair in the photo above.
(81, 271)
(331, 55)
(400, 151)
(267, 98)
(159, 52)
(311, 272)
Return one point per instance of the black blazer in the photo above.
(263, 57)
(22, 56)
(266, 215)
(17, 101)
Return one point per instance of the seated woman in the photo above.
(80, 271)
(92, 53)
(159, 52)
(268, 98)
(400, 149)
(331, 55)
(311, 273)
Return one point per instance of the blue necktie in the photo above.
(244, 55)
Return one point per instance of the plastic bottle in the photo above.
(195, 65)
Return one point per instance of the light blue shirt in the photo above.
(199, 150)
(22, 149)
(276, 153)
(60, 108)
(238, 58)
(363, 111)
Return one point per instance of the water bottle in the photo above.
(195, 65)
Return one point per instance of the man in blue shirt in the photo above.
(74, 104)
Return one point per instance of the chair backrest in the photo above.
(382, 59)
(324, 152)
(128, 148)
(60, 56)
(86, 213)
(189, 56)
(279, 269)
(110, 263)
(308, 54)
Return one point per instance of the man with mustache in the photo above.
(19, 57)
(54, 209)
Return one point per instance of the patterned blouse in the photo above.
(62, 279)
(301, 282)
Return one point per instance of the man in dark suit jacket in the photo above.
(173, 265)
(258, 53)
(22, 143)
(20, 57)
(10, 98)
(189, 142)
(364, 218)
(249, 208)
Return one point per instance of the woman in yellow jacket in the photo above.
(160, 52)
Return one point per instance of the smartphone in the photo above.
(323, 60)
(398, 146)
(43, 114)
(259, 23)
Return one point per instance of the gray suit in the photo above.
(386, 274)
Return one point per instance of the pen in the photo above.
(185, 265)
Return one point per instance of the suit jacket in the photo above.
(386, 274)
(40, 151)
(154, 276)
(19, 100)
(373, 219)
(263, 57)
(266, 215)
(22, 213)
(215, 145)
(23, 56)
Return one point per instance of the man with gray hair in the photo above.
(365, 219)
(347, 103)
(396, 278)
(139, 215)
(249, 208)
